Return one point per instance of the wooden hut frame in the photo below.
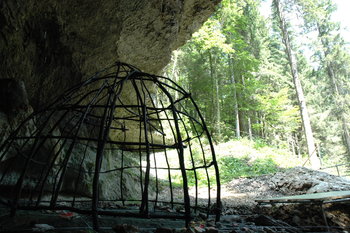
(118, 113)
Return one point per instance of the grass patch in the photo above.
(241, 158)
(232, 168)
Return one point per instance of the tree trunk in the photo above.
(217, 115)
(235, 102)
(314, 160)
(217, 102)
(292, 145)
(174, 72)
(250, 132)
(258, 123)
(297, 145)
(248, 123)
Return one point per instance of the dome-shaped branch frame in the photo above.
(121, 137)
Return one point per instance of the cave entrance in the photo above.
(121, 143)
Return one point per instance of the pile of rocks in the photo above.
(294, 181)
(302, 180)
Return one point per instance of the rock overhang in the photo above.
(53, 44)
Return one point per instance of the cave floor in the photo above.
(241, 214)
(25, 221)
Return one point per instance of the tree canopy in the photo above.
(246, 73)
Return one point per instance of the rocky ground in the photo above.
(240, 212)
(239, 195)
(295, 181)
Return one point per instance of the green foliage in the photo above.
(231, 167)
(279, 111)
(239, 158)
(328, 83)
(210, 36)
(222, 64)
(236, 69)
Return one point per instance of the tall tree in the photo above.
(215, 83)
(240, 20)
(314, 159)
(222, 67)
(317, 15)
(234, 100)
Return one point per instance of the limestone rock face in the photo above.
(54, 44)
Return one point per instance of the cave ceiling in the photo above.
(53, 44)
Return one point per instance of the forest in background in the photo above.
(282, 81)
